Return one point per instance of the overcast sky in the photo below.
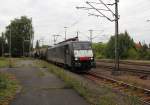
(51, 16)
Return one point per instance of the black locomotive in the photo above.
(73, 54)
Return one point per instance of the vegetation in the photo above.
(21, 32)
(128, 49)
(101, 96)
(6, 62)
(3, 62)
(8, 88)
(99, 49)
(2, 44)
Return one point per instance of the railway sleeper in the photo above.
(140, 95)
(147, 99)
(147, 93)
(120, 88)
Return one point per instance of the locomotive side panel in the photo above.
(60, 54)
(68, 55)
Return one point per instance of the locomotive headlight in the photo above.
(76, 58)
(92, 58)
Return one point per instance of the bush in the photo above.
(133, 54)
(148, 55)
(99, 50)
(125, 42)
(8, 88)
(3, 82)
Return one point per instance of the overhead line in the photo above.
(99, 11)
(107, 8)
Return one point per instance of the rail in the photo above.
(128, 62)
(142, 93)
(126, 67)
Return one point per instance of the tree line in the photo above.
(18, 36)
(128, 49)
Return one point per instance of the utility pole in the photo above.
(116, 39)
(2, 44)
(30, 36)
(65, 32)
(148, 20)
(10, 43)
(41, 41)
(2, 48)
(23, 47)
(55, 38)
(100, 11)
(91, 35)
(77, 34)
(10, 47)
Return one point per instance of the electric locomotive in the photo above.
(74, 54)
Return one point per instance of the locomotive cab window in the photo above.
(82, 46)
(82, 50)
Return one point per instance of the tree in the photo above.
(133, 54)
(20, 30)
(125, 42)
(2, 44)
(99, 49)
(144, 51)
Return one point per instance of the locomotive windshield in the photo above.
(82, 46)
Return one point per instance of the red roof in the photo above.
(138, 45)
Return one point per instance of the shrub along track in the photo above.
(9, 87)
(122, 87)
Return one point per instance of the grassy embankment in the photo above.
(8, 84)
(7, 62)
(4, 62)
(101, 96)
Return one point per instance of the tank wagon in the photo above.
(39, 53)
(77, 55)
(42, 53)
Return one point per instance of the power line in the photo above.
(55, 38)
(148, 20)
(86, 8)
(41, 40)
(116, 18)
(65, 32)
(91, 35)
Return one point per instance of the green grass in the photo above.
(4, 62)
(7, 62)
(8, 88)
(40, 74)
(103, 96)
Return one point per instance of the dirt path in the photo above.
(39, 87)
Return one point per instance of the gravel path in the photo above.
(39, 87)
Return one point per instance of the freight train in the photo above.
(73, 54)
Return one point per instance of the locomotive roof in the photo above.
(69, 42)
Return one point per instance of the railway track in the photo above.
(125, 88)
(139, 63)
(126, 67)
